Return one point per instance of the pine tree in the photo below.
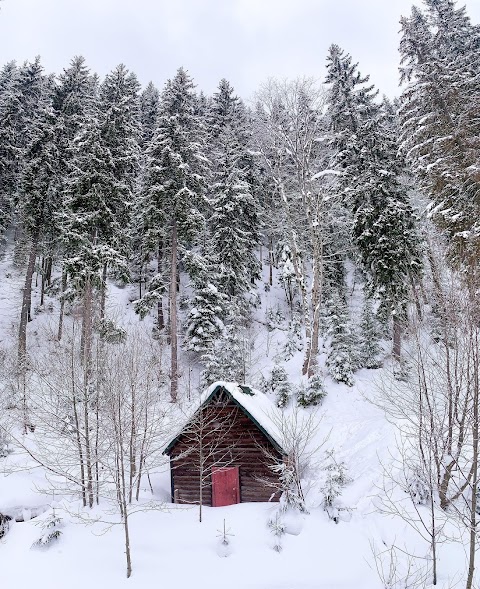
(93, 234)
(36, 203)
(225, 110)
(74, 103)
(384, 225)
(119, 110)
(172, 191)
(101, 183)
(10, 100)
(337, 478)
(232, 238)
(340, 360)
(205, 320)
(281, 386)
(25, 95)
(440, 62)
(74, 100)
(350, 103)
(233, 222)
(149, 109)
(312, 394)
(51, 528)
(120, 127)
(227, 359)
(369, 346)
(232, 231)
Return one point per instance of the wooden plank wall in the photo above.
(240, 443)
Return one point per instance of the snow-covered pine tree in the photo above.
(73, 100)
(281, 386)
(341, 355)
(224, 110)
(205, 320)
(229, 356)
(233, 240)
(23, 100)
(369, 345)
(350, 102)
(8, 73)
(99, 195)
(51, 531)
(337, 478)
(172, 192)
(233, 222)
(36, 202)
(202, 108)
(313, 393)
(10, 101)
(74, 103)
(384, 225)
(149, 109)
(89, 224)
(100, 185)
(440, 63)
(119, 119)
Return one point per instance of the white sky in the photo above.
(245, 41)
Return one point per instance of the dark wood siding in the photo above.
(238, 442)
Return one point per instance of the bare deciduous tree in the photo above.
(289, 127)
(436, 407)
(208, 444)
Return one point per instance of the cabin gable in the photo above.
(223, 434)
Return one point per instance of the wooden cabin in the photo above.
(224, 453)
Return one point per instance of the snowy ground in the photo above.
(169, 545)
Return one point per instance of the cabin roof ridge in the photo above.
(255, 404)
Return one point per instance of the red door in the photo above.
(225, 486)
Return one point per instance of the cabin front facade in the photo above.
(224, 453)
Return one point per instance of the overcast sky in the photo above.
(245, 41)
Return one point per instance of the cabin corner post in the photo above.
(172, 483)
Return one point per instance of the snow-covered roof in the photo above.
(254, 403)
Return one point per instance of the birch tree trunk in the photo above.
(132, 443)
(474, 484)
(78, 437)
